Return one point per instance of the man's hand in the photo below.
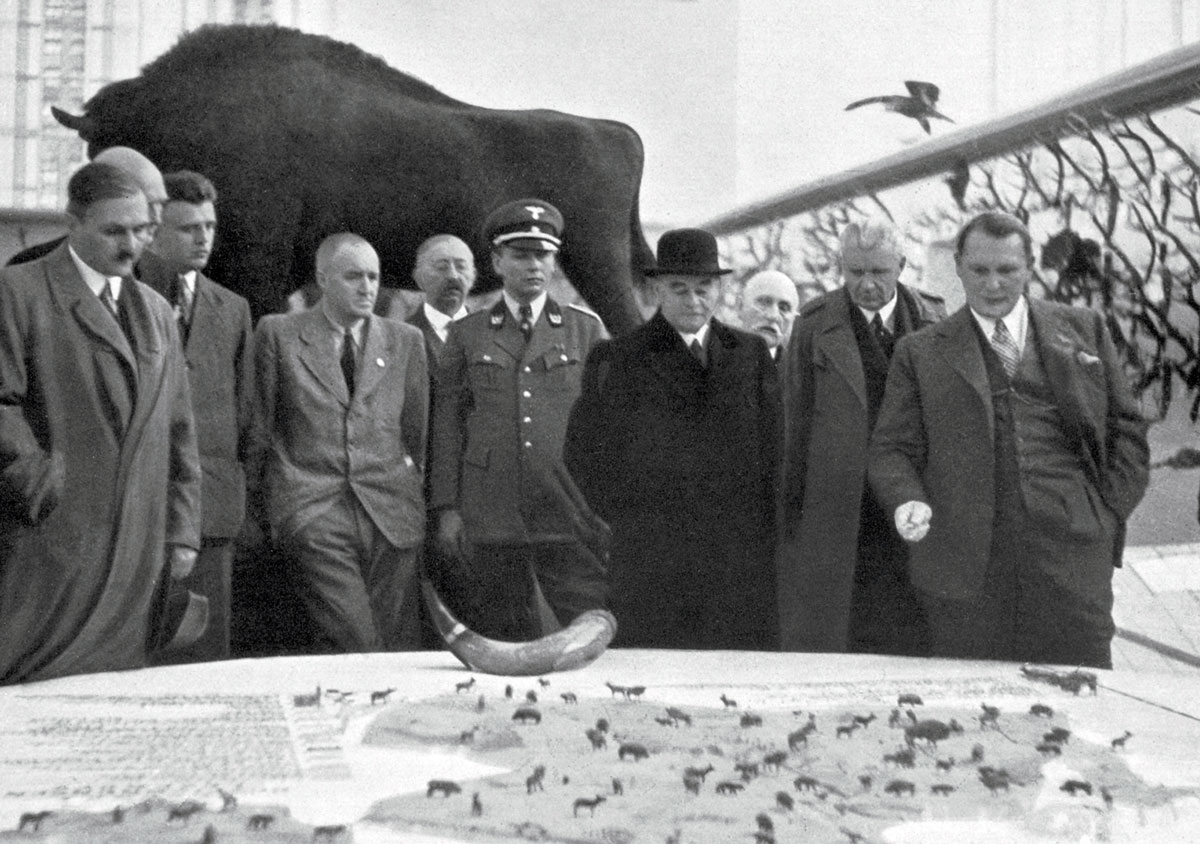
(181, 560)
(912, 520)
(452, 535)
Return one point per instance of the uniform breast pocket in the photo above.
(486, 372)
(562, 366)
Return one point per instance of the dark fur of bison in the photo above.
(305, 136)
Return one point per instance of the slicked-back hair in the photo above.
(437, 240)
(998, 225)
(333, 244)
(189, 186)
(95, 182)
(872, 234)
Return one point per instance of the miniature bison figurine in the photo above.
(305, 136)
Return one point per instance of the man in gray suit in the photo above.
(342, 401)
(445, 273)
(214, 324)
(1010, 451)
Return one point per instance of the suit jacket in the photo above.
(98, 470)
(934, 443)
(499, 420)
(433, 343)
(220, 365)
(825, 466)
(313, 440)
(682, 462)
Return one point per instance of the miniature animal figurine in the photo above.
(464, 686)
(602, 725)
(764, 822)
(666, 722)
(796, 738)
(930, 731)
(32, 820)
(589, 802)
(527, 715)
(865, 780)
(774, 761)
(941, 788)
(846, 730)
(900, 788)
(636, 751)
(749, 720)
(468, 736)
(543, 682)
(864, 720)
(1049, 748)
(329, 832)
(531, 696)
(118, 814)
(806, 783)
(1073, 787)
(597, 739)
(444, 787)
(993, 779)
(1041, 710)
(728, 787)
(1119, 742)
(903, 758)
(381, 696)
(569, 697)
(635, 691)
(481, 704)
(944, 764)
(748, 770)
(307, 700)
(679, 715)
(977, 753)
(476, 805)
(533, 782)
(729, 703)
(990, 717)
(508, 692)
(1058, 735)
(618, 787)
(784, 801)
(698, 773)
(691, 784)
(909, 700)
(228, 801)
(894, 719)
(260, 821)
(617, 690)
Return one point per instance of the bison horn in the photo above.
(574, 646)
(81, 124)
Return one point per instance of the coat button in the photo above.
(379, 361)
(527, 419)
(527, 394)
(529, 369)
(528, 444)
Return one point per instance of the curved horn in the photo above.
(81, 124)
(574, 646)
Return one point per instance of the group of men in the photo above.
(879, 478)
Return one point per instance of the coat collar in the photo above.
(318, 352)
(72, 294)
(834, 339)
(507, 333)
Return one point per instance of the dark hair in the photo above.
(189, 186)
(95, 182)
(999, 225)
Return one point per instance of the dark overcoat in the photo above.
(682, 461)
(825, 468)
(934, 442)
(107, 428)
(499, 419)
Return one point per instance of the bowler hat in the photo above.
(687, 252)
(525, 223)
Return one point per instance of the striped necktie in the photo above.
(1006, 348)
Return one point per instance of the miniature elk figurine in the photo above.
(1119, 742)
(589, 803)
(464, 686)
(729, 703)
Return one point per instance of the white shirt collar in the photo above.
(514, 307)
(441, 322)
(701, 335)
(1016, 321)
(94, 280)
(189, 278)
(885, 314)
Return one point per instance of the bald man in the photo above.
(769, 303)
(843, 576)
(138, 167)
(445, 273)
(342, 400)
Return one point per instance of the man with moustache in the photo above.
(675, 443)
(507, 510)
(215, 326)
(341, 410)
(1010, 451)
(141, 169)
(843, 571)
(99, 473)
(445, 273)
(768, 308)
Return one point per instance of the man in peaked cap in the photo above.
(507, 510)
(675, 443)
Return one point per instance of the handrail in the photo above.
(1167, 80)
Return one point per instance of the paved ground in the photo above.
(1157, 609)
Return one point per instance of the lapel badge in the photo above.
(555, 318)
(379, 361)
(496, 320)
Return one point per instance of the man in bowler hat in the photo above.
(675, 443)
(507, 512)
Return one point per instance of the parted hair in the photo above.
(95, 182)
(872, 234)
(996, 224)
(189, 186)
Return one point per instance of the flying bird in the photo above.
(920, 105)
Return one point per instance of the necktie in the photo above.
(698, 352)
(183, 302)
(349, 361)
(526, 312)
(1006, 348)
(106, 296)
(887, 340)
